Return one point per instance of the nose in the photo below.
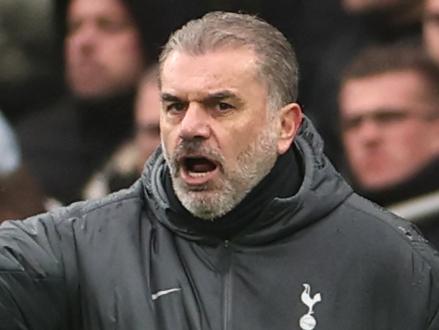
(369, 131)
(84, 38)
(195, 123)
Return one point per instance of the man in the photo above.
(147, 117)
(389, 108)
(126, 164)
(107, 46)
(431, 28)
(104, 57)
(240, 223)
(367, 22)
(103, 48)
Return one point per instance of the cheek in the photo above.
(168, 137)
(350, 143)
(123, 50)
(232, 143)
(431, 35)
(69, 49)
(410, 143)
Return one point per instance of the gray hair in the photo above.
(277, 63)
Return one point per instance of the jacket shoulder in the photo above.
(45, 238)
(389, 232)
(125, 201)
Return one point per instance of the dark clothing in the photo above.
(283, 181)
(360, 32)
(423, 182)
(65, 144)
(323, 255)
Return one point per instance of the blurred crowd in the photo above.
(79, 94)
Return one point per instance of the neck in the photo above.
(282, 181)
(422, 182)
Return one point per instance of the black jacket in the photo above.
(322, 259)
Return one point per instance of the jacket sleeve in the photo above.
(32, 286)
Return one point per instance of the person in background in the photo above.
(107, 45)
(431, 28)
(367, 22)
(389, 112)
(104, 57)
(239, 221)
(19, 194)
(126, 165)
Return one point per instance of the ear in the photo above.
(291, 117)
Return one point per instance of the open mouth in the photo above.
(199, 166)
(197, 170)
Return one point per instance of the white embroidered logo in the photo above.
(307, 321)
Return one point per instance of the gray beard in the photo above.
(254, 164)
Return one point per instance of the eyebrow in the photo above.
(222, 95)
(211, 97)
(167, 97)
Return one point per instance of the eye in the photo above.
(111, 26)
(73, 26)
(175, 107)
(353, 123)
(223, 106)
(390, 117)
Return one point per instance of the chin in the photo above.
(207, 205)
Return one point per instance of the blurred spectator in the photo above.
(19, 195)
(389, 109)
(368, 22)
(126, 164)
(311, 26)
(103, 59)
(147, 117)
(27, 56)
(107, 46)
(431, 28)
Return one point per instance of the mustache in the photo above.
(195, 147)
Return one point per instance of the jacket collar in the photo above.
(321, 191)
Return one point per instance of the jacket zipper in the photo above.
(227, 295)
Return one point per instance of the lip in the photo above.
(198, 179)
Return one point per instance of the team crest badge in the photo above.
(308, 321)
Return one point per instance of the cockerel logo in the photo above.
(307, 321)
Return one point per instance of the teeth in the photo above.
(197, 174)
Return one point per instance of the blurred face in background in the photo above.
(363, 6)
(103, 51)
(389, 127)
(147, 118)
(431, 28)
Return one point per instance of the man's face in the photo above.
(147, 118)
(388, 127)
(218, 135)
(431, 28)
(102, 49)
